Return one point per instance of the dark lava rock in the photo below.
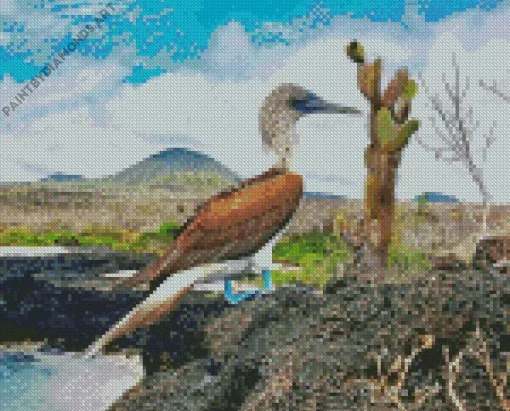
(71, 318)
(294, 349)
(65, 317)
(77, 263)
(492, 250)
(299, 350)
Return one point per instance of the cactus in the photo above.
(371, 190)
(385, 127)
(404, 133)
(390, 132)
(411, 90)
(396, 88)
(366, 80)
(401, 137)
(402, 111)
(356, 52)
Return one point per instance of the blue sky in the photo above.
(183, 28)
(192, 73)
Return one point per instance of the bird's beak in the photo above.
(338, 109)
(315, 104)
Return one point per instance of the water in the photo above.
(49, 382)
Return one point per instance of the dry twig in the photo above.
(452, 375)
(480, 351)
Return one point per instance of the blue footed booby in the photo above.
(231, 234)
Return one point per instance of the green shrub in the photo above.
(169, 228)
(316, 253)
(408, 260)
(309, 248)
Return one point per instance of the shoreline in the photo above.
(66, 380)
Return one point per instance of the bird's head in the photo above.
(281, 110)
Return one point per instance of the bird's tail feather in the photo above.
(147, 273)
(155, 306)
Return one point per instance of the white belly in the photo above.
(263, 259)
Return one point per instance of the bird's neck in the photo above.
(284, 148)
(283, 164)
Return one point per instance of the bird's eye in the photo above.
(295, 100)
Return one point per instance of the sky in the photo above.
(193, 74)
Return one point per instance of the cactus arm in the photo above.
(356, 52)
(402, 136)
(385, 127)
(396, 89)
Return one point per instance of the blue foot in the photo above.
(268, 280)
(237, 298)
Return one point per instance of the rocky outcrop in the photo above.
(69, 263)
(65, 317)
(70, 318)
(426, 345)
(493, 251)
(448, 261)
(441, 339)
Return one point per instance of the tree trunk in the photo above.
(380, 207)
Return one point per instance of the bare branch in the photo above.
(466, 88)
(479, 349)
(449, 90)
(452, 376)
(439, 152)
(494, 88)
(489, 141)
(456, 126)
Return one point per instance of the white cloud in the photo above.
(8, 8)
(231, 55)
(76, 82)
(5, 38)
(86, 123)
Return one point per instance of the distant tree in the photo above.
(390, 130)
(454, 123)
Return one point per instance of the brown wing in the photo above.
(230, 225)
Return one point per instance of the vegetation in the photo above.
(193, 181)
(94, 236)
(390, 131)
(318, 255)
(405, 262)
(459, 131)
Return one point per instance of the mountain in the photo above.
(432, 197)
(59, 177)
(177, 169)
